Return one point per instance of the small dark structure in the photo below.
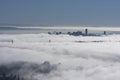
(12, 41)
(49, 41)
(104, 33)
(49, 33)
(78, 33)
(86, 32)
(57, 33)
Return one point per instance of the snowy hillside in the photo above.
(67, 57)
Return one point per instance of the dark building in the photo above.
(104, 33)
(78, 33)
(69, 33)
(86, 31)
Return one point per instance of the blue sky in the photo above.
(61, 12)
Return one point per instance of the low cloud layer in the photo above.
(64, 58)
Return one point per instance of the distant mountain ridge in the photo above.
(12, 25)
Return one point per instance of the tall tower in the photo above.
(104, 32)
(86, 31)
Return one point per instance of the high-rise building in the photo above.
(86, 31)
(104, 32)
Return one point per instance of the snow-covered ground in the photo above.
(75, 57)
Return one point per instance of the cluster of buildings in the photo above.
(78, 33)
